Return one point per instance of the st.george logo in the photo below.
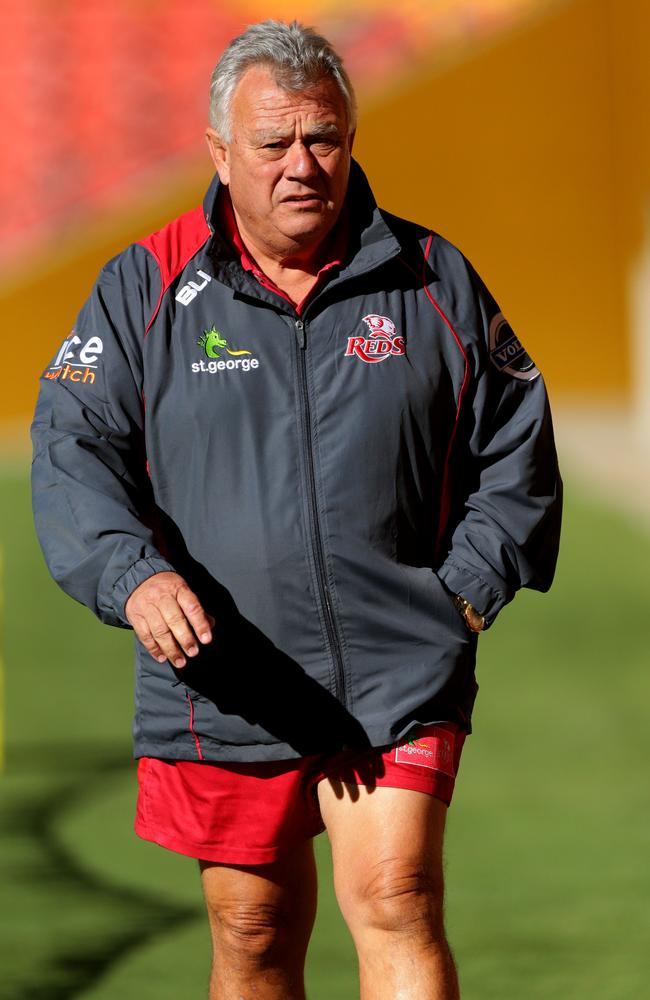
(381, 342)
(434, 750)
(214, 344)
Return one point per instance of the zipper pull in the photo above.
(300, 333)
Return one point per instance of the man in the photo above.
(293, 443)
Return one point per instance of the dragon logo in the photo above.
(213, 343)
(415, 743)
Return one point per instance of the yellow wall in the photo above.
(510, 154)
(40, 309)
(532, 155)
(630, 36)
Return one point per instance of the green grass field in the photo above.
(548, 859)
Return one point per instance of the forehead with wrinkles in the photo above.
(262, 108)
(313, 130)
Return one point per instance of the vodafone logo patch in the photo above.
(381, 341)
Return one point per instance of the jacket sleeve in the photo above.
(91, 492)
(505, 484)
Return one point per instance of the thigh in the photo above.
(386, 844)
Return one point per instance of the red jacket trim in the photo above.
(173, 246)
(445, 499)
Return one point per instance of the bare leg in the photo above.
(261, 918)
(387, 854)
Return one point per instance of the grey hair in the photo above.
(296, 55)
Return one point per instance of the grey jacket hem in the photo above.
(213, 752)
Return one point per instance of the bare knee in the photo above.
(250, 934)
(396, 896)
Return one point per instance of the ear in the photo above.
(219, 154)
(351, 139)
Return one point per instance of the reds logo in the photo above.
(381, 342)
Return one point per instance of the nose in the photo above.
(301, 164)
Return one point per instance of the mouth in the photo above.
(302, 199)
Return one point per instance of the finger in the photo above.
(196, 616)
(143, 632)
(178, 625)
(164, 636)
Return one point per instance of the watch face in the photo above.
(475, 621)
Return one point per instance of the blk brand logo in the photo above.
(188, 292)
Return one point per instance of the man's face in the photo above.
(288, 161)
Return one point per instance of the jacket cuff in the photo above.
(136, 574)
(487, 599)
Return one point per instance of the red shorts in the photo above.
(250, 814)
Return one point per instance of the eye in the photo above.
(274, 145)
(322, 146)
(273, 150)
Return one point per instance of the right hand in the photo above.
(168, 618)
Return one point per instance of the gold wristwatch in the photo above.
(467, 611)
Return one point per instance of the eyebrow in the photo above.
(319, 130)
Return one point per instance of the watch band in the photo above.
(474, 621)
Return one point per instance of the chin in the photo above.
(306, 236)
(311, 225)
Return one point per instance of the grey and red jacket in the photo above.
(325, 481)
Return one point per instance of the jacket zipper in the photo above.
(314, 523)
